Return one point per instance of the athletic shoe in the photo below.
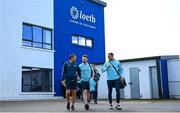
(118, 107)
(110, 106)
(86, 107)
(68, 106)
(72, 108)
(95, 101)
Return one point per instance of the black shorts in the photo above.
(71, 84)
(114, 83)
(85, 85)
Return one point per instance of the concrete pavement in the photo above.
(102, 106)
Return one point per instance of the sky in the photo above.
(142, 28)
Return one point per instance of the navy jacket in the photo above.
(70, 71)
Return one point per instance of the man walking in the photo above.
(113, 78)
(70, 74)
(86, 74)
(96, 79)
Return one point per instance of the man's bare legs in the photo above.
(73, 96)
(70, 93)
(86, 97)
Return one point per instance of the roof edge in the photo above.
(167, 57)
(100, 2)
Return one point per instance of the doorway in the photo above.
(134, 83)
(154, 82)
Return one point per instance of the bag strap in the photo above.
(91, 69)
(115, 69)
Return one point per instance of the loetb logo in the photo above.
(79, 14)
(74, 12)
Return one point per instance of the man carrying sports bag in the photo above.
(113, 79)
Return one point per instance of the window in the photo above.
(27, 32)
(47, 39)
(47, 36)
(89, 42)
(82, 41)
(36, 36)
(36, 80)
(75, 39)
(27, 35)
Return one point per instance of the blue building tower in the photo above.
(78, 29)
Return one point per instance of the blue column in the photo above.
(164, 78)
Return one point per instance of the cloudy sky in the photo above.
(140, 28)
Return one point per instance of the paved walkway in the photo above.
(102, 106)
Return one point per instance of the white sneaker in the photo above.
(110, 106)
(118, 107)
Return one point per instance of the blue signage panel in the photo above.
(83, 18)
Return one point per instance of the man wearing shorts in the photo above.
(86, 73)
(70, 74)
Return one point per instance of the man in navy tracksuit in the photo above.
(71, 73)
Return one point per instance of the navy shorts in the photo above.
(114, 83)
(71, 84)
(85, 85)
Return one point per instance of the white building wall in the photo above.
(0, 49)
(144, 78)
(174, 78)
(14, 56)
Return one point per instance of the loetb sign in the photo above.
(79, 14)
